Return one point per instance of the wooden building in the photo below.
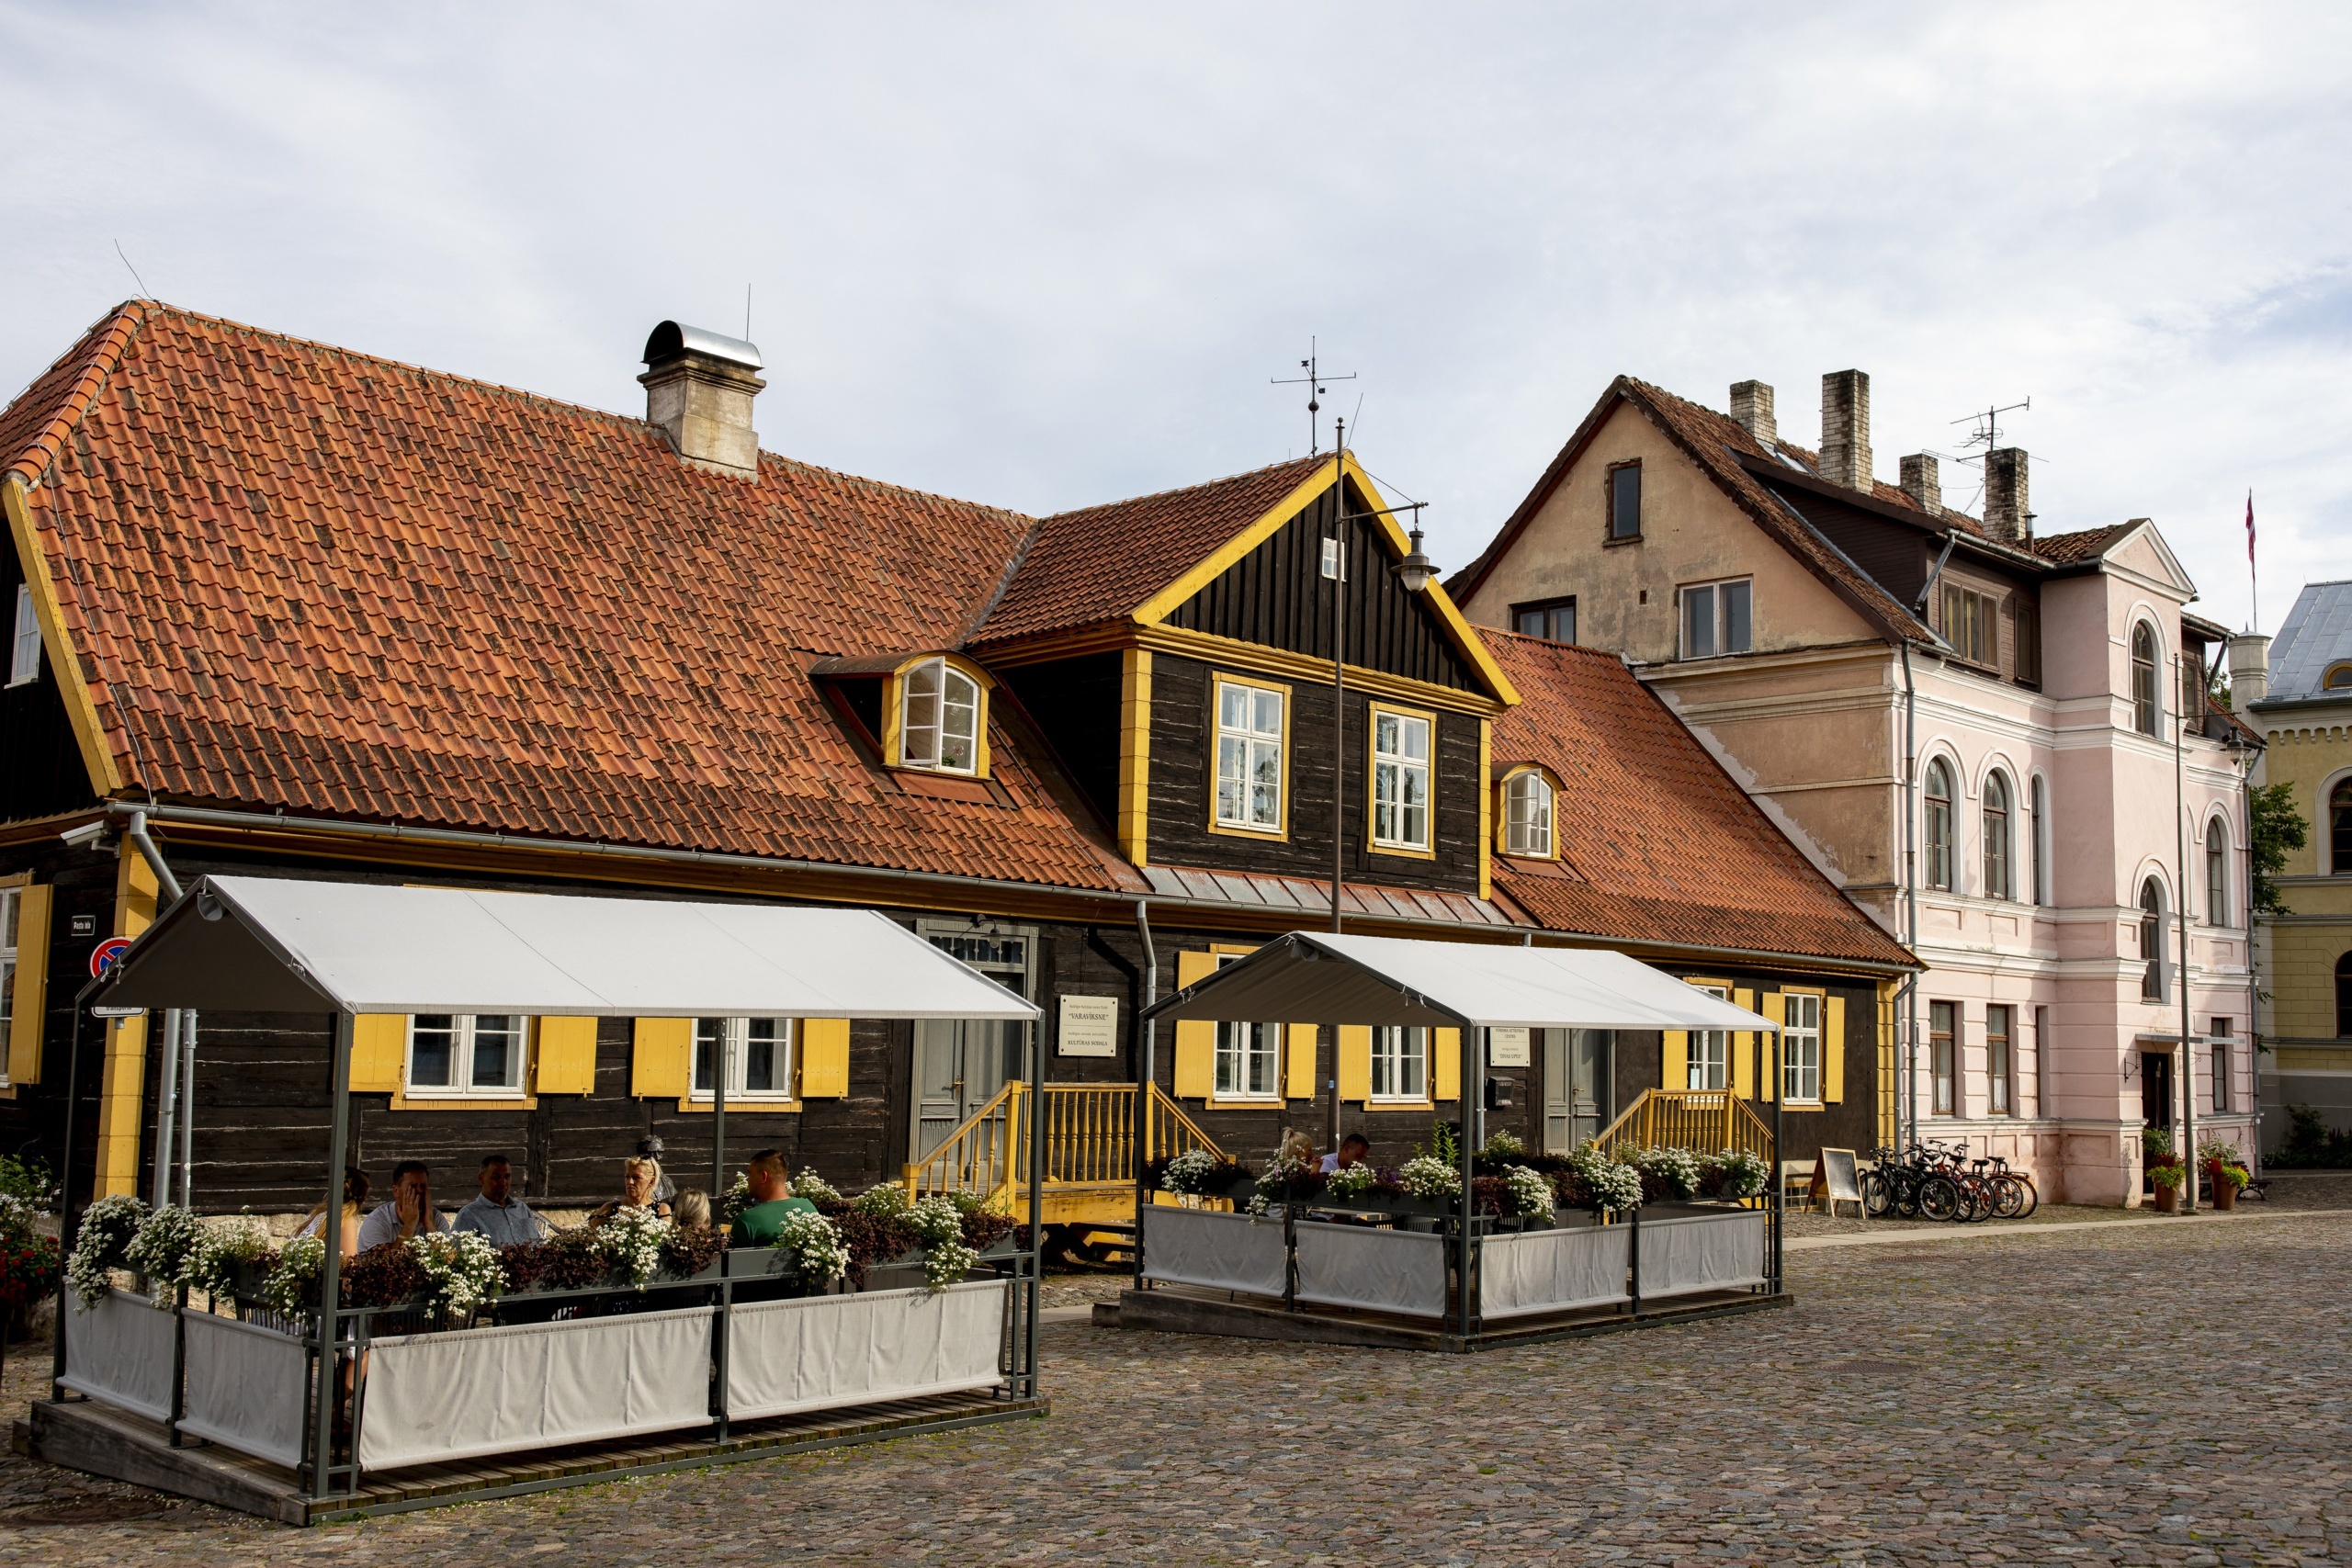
(316, 614)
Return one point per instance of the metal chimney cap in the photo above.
(671, 340)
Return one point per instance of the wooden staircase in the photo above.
(1702, 1120)
(1089, 1136)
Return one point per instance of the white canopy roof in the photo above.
(262, 944)
(1310, 977)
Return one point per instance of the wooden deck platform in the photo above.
(89, 1435)
(1185, 1310)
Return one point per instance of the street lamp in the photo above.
(1415, 570)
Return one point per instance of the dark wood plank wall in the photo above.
(1184, 773)
(44, 773)
(1276, 595)
(1075, 704)
(1896, 556)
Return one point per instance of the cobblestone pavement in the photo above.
(2115, 1395)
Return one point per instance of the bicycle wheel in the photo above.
(2032, 1195)
(1939, 1198)
(1978, 1200)
(2008, 1196)
(1877, 1197)
(1906, 1194)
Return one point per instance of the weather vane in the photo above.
(1313, 381)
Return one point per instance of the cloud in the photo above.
(1047, 255)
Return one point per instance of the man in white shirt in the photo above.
(501, 1219)
(410, 1213)
(1353, 1150)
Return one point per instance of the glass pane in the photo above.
(498, 1051)
(1698, 623)
(709, 1031)
(1383, 733)
(959, 742)
(1564, 623)
(1417, 738)
(432, 1041)
(1270, 714)
(1233, 707)
(759, 1054)
(1625, 502)
(1414, 1079)
(8, 921)
(1531, 622)
(1736, 632)
(7, 995)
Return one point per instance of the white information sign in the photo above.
(1089, 1026)
(1508, 1048)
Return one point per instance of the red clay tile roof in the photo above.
(2066, 549)
(1658, 843)
(309, 578)
(1085, 567)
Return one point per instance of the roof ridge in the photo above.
(115, 331)
(1316, 459)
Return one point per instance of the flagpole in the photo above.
(2253, 576)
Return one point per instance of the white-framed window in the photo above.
(2222, 1043)
(10, 899)
(1710, 1063)
(1801, 1048)
(1400, 779)
(1527, 815)
(2000, 1061)
(1716, 618)
(759, 1058)
(1249, 1061)
(24, 646)
(1994, 833)
(466, 1055)
(940, 728)
(1400, 1063)
(1251, 722)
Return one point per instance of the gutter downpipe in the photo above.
(1146, 1076)
(168, 1092)
(1908, 1111)
(2180, 883)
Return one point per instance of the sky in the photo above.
(1045, 256)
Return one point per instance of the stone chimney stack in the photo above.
(1751, 410)
(2249, 670)
(1923, 482)
(699, 388)
(1846, 429)
(2007, 516)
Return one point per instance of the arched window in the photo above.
(2217, 875)
(2339, 829)
(2037, 838)
(940, 729)
(1527, 815)
(1998, 883)
(2143, 678)
(1938, 826)
(2344, 996)
(2151, 939)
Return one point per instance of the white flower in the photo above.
(631, 1241)
(219, 1247)
(1530, 1190)
(1678, 1169)
(460, 1269)
(1743, 1173)
(1613, 1185)
(936, 1221)
(292, 1287)
(1350, 1180)
(946, 1262)
(107, 1227)
(734, 1201)
(1189, 1171)
(1426, 1175)
(885, 1202)
(163, 1250)
(814, 1188)
(814, 1244)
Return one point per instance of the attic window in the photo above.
(2339, 678)
(1528, 800)
(1625, 502)
(24, 648)
(940, 723)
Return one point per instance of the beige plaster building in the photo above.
(1996, 742)
(2298, 692)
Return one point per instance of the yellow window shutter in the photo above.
(1742, 1063)
(378, 1052)
(824, 1058)
(1833, 1049)
(567, 1057)
(1195, 1040)
(1445, 1064)
(1355, 1061)
(1298, 1066)
(1768, 1045)
(1674, 1059)
(31, 997)
(662, 1063)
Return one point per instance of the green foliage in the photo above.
(2309, 1145)
(28, 1180)
(2277, 831)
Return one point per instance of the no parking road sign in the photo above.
(104, 956)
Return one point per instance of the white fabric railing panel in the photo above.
(246, 1387)
(1556, 1270)
(1709, 1252)
(1382, 1270)
(817, 1352)
(487, 1391)
(1224, 1252)
(120, 1351)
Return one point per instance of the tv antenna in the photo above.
(1987, 433)
(1313, 381)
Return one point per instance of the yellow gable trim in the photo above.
(1162, 604)
(80, 710)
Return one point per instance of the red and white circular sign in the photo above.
(104, 956)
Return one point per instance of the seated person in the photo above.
(497, 1216)
(354, 1192)
(772, 1200)
(641, 1179)
(411, 1211)
(1354, 1149)
(691, 1209)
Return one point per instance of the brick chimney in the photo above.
(1846, 429)
(1751, 410)
(1923, 482)
(699, 388)
(2007, 516)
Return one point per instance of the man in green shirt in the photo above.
(772, 1200)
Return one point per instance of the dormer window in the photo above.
(939, 722)
(1528, 798)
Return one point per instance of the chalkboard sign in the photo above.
(1836, 1178)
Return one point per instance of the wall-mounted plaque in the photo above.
(1089, 1026)
(1508, 1048)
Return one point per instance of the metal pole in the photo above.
(2252, 985)
(1779, 1208)
(329, 1388)
(722, 1061)
(2180, 881)
(188, 1111)
(69, 1217)
(1339, 700)
(1146, 1031)
(1026, 1381)
(1466, 1051)
(167, 1095)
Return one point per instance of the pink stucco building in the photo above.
(1996, 740)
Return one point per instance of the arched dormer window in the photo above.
(2217, 873)
(1529, 800)
(1998, 878)
(1936, 830)
(2151, 939)
(942, 719)
(2143, 678)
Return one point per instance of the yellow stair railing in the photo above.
(1089, 1150)
(1705, 1120)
